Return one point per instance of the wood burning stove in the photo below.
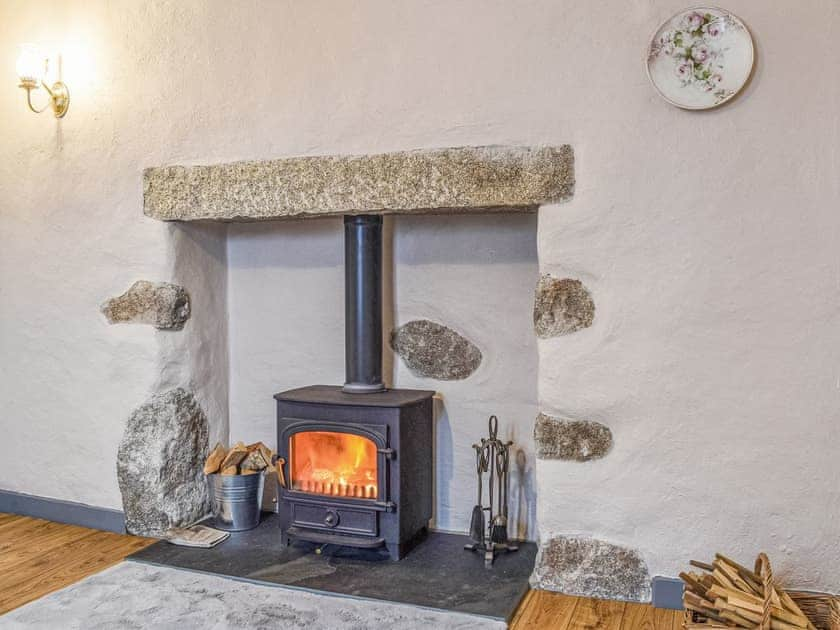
(358, 468)
(358, 458)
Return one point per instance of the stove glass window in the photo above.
(333, 463)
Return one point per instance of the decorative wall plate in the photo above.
(700, 58)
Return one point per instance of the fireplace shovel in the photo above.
(477, 520)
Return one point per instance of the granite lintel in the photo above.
(426, 181)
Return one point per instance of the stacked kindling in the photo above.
(728, 595)
(240, 459)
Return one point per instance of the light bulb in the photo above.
(31, 65)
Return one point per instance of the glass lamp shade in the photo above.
(31, 65)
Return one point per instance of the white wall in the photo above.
(72, 234)
(710, 244)
(475, 274)
(709, 240)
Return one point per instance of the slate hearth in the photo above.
(438, 573)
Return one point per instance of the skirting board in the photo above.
(62, 511)
(666, 592)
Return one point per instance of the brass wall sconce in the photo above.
(32, 68)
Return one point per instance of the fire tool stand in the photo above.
(492, 459)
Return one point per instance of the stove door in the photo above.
(334, 463)
(343, 463)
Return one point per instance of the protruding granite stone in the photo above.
(577, 440)
(449, 180)
(591, 567)
(561, 307)
(160, 464)
(163, 305)
(432, 350)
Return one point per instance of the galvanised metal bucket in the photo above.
(236, 500)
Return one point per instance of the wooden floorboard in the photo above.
(541, 609)
(17, 550)
(597, 613)
(10, 521)
(554, 611)
(7, 517)
(644, 617)
(38, 557)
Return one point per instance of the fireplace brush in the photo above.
(492, 459)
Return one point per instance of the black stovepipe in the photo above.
(363, 304)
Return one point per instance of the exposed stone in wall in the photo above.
(452, 180)
(160, 464)
(578, 440)
(432, 350)
(591, 567)
(561, 306)
(163, 305)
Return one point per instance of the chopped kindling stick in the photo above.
(730, 595)
(239, 459)
(214, 460)
(701, 565)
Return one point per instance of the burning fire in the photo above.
(338, 464)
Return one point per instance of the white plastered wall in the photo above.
(709, 240)
(72, 234)
(710, 244)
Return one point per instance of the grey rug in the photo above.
(134, 595)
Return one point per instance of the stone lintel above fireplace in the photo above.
(450, 180)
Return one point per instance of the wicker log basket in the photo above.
(781, 609)
(822, 609)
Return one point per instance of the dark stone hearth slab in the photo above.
(438, 573)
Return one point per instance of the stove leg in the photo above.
(394, 551)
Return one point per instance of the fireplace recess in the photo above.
(358, 458)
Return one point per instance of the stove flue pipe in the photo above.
(363, 304)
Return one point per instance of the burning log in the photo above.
(334, 464)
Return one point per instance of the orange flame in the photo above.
(338, 464)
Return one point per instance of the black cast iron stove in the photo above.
(358, 458)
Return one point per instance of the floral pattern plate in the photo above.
(700, 58)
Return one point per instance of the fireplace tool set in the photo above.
(492, 458)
